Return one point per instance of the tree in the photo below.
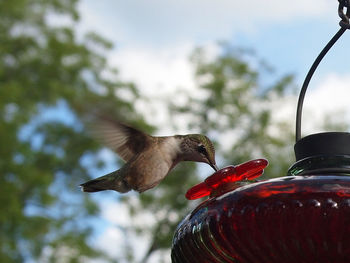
(48, 79)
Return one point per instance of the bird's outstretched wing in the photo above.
(121, 138)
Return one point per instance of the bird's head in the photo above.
(198, 148)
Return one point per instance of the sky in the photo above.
(153, 40)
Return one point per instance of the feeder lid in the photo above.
(327, 143)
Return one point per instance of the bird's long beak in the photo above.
(214, 166)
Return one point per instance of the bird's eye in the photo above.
(202, 149)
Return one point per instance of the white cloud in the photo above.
(115, 242)
(116, 238)
(330, 94)
(156, 71)
(118, 213)
(112, 242)
(329, 97)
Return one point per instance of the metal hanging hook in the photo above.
(344, 25)
(344, 22)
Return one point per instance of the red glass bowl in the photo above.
(304, 219)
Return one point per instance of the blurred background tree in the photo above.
(50, 76)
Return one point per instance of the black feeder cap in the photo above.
(327, 143)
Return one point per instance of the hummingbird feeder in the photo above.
(303, 217)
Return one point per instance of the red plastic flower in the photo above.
(229, 174)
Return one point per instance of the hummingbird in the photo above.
(149, 159)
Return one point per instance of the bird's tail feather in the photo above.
(111, 181)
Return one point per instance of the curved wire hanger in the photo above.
(344, 25)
